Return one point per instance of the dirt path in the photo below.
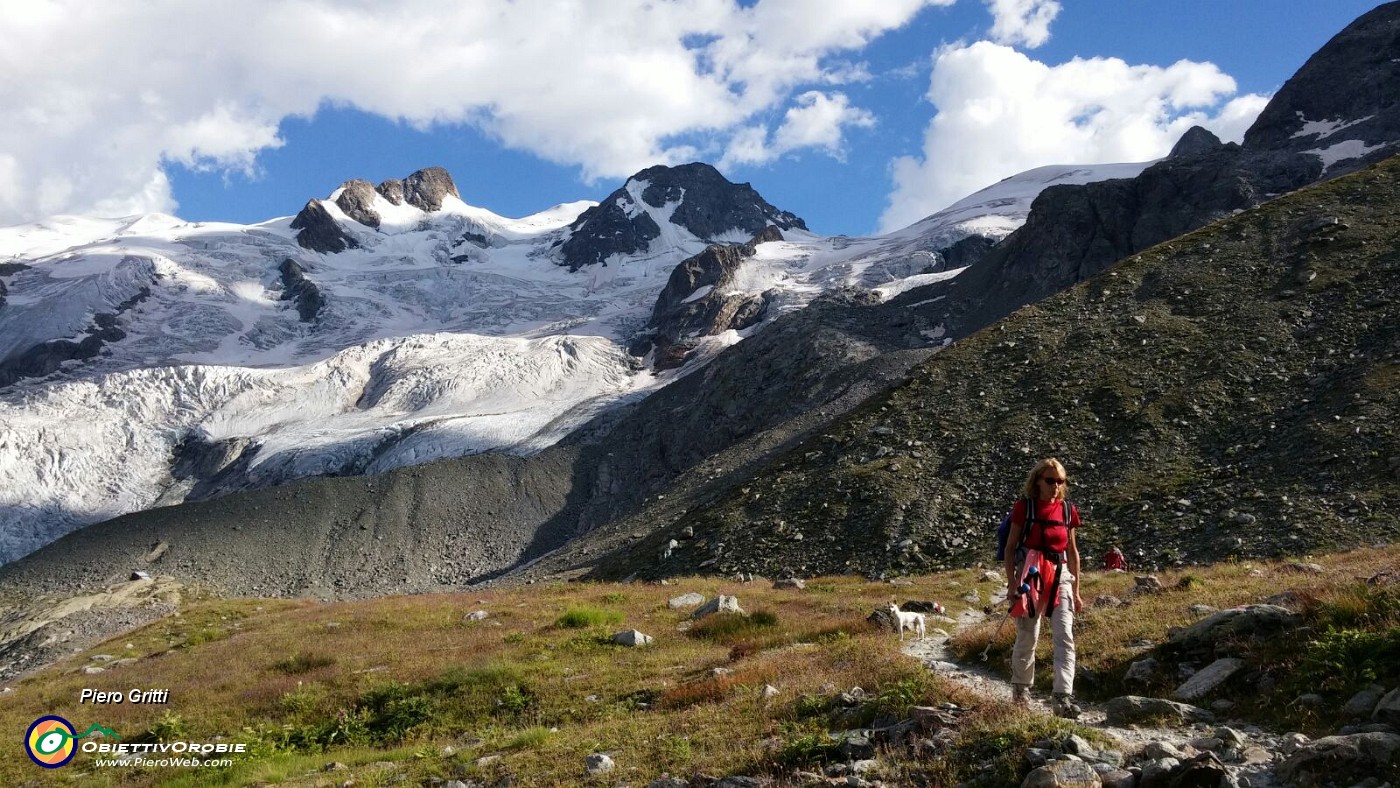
(979, 677)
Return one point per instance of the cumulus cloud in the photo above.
(1000, 112)
(1025, 22)
(100, 97)
(817, 120)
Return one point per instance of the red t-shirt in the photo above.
(1051, 533)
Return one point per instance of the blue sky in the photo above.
(857, 117)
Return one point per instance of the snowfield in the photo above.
(444, 334)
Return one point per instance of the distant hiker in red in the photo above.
(1042, 576)
(1113, 561)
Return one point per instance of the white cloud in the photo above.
(1025, 22)
(100, 94)
(817, 120)
(999, 113)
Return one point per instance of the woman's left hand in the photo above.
(1078, 603)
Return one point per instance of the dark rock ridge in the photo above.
(304, 292)
(679, 313)
(319, 232)
(357, 201)
(709, 206)
(46, 357)
(1353, 79)
(1076, 231)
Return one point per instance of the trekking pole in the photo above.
(1025, 589)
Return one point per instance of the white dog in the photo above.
(914, 622)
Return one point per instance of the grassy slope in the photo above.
(1233, 392)
(398, 679)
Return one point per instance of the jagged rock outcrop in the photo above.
(356, 199)
(694, 302)
(319, 231)
(963, 253)
(304, 292)
(391, 189)
(208, 465)
(426, 188)
(1344, 94)
(46, 357)
(706, 204)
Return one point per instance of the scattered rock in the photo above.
(686, 600)
(1147, 585)
(1208, 678)
(1063, 774)
(632, 637)
(479, 615)
(720, 604)
(791, 582)
(598, 763)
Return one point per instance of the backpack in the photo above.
(1004, 530)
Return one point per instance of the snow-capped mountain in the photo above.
(147, 360)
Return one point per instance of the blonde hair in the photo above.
(1030, 490)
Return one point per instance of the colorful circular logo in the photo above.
(50, 742)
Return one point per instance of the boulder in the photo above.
(686, 600)
(1221, 631)
(791, 582)
(631, 637)
(1063, 774)
(1335, 759)
(598, 763)
(1363, 703)
(720, 604)
(1208, 678)
(1388, 709)
(1134, 709)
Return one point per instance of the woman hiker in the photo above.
(1046, 562)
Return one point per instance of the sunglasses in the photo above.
(1056, 482)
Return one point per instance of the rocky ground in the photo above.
(1249, 751)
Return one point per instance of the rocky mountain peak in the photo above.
(706, 204)
(1343, 96)
(425, 188)
(319, 232)
(1197, 141)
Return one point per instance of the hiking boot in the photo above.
(1020, 695)
(1064, 706)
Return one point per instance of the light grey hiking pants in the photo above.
(1062, 630)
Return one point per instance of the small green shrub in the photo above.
(1343, 659)
(808, 749)
(302, 663)
(170, 727)
(730, 628)
(584, 617)
(395, 711)
(529, 739)
(810, 706)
